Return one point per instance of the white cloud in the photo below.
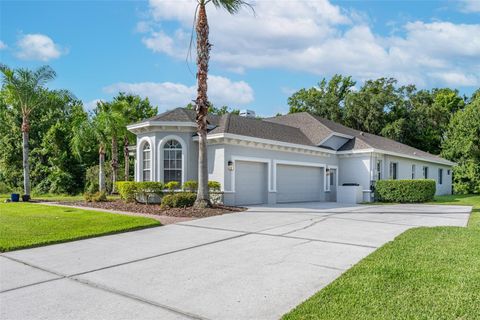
(470, 6)
(455, 79)
(38, 47)
(321, 38)
(221, 90)
(2, 45)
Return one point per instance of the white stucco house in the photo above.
(291, 158)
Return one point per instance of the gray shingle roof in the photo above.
(298, 128)
(258, 128)
(360, 141)
(181, 115)
(306, 123)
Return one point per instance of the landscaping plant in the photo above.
(25, 90)
(179, 200)
(190, 186)
(172, 186)
(405, 190)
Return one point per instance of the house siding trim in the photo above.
(227, 138)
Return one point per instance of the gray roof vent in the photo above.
(247, 113)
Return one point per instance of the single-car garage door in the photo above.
(251, 185)
(299, 183)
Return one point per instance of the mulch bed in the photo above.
(187, 212)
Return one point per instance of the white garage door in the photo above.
(299, 183)
(251, 185)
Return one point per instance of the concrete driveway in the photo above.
(256, 264)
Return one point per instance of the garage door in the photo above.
(299, 183)
(251, 185)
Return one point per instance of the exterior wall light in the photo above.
(230, 165)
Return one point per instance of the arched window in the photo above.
(172, 161)
(147, 162)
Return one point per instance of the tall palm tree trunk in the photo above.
(114, 163)
(26, 166)
(101, 169)
(126, 155)
(203, 55)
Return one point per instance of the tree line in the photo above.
(439, 120)
(68, 147)
(62, 143)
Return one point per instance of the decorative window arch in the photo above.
(172, 161)
(146, 170)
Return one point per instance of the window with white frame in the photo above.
(394, 170)
(172, 161)
(379, 169)
(414, 168)
(440, 176)
(425, 172)
(147, 162)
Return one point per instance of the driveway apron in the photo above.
(256, 264)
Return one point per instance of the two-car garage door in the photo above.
(299, 183)
(294, 183)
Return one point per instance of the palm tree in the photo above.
(85, 132)
(110, 120)
(201, 103)
(25, 91)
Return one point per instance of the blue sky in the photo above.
(101, 47)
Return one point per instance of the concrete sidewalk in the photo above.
(256, 264)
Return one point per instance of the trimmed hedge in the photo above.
(214, 185)
(190, 186)
(128, 190)
(179, 200)
(405, 190)
(172, 186)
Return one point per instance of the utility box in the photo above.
(350, 194)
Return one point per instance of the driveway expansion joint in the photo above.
(136, 297)
(261, 233)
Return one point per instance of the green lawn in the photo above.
(55, 197)
(24, 225)
(425, 273)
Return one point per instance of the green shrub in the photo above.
(190, 186)
(405, 190)
(100, 197)
(214, 185)
(95, 197)
(127, 190)
(88, 196)
(172, 185)
(150, 187)
(179, 200)
(4, 188)
(147, 189)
